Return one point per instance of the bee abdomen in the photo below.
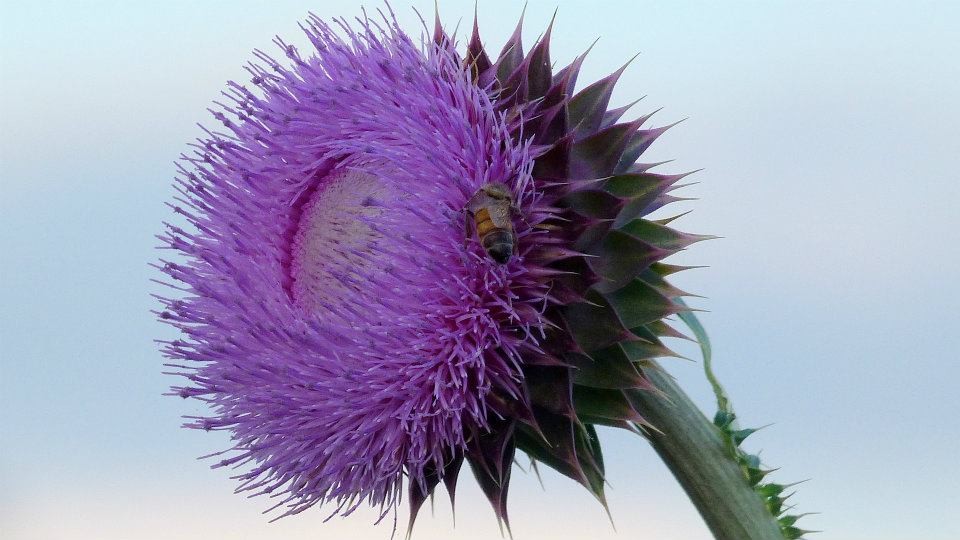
(499, 245)
(483, 221)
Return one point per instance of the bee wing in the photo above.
(478, 201)
(500, 216)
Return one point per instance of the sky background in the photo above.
(829, 133)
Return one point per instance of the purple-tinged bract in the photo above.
(338, 311)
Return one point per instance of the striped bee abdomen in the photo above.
(483, 222)
(499, 244)
(491, 208)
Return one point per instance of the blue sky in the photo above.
(829, 137)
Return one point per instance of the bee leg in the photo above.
(475, 201)
(466, 228)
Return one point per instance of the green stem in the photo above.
(694, 451)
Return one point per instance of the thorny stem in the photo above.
(694, 451)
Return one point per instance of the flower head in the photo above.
(343, 311)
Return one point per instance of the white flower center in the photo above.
(334, 239)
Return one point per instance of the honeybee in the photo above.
(492, 209)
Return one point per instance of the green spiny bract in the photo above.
(773, 494)
(610, 292)
(725, 419)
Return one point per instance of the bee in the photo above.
(492, 209)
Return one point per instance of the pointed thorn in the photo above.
(606, 509)
(616, 74)
(536, 471)
(797, 484)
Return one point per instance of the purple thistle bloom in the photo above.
(339, 312)
(345, 334)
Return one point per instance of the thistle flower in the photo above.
(339, 311)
